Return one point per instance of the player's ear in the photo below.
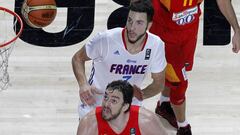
(149, 25)
(125, 107)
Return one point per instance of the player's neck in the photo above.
(136, 47)
(119, 124)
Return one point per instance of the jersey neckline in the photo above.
(124, 41)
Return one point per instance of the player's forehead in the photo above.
(114, 93)
(137, 15)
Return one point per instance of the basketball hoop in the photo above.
(8, 37)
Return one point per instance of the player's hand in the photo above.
(87, 93)
(236, 41)
(137, 92)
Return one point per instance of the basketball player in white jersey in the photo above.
(122, 53)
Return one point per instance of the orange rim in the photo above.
(19, 20)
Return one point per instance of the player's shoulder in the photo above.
(155, 38)
(106, 34)
(145, 113)
(110, 33)
(87, 123)
(147, 117)
(89, 117)
(149, 123)
(114, 32)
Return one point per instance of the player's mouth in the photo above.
(131, 35)
(106, 110)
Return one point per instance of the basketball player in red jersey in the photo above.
(116, 116)
(176, 23)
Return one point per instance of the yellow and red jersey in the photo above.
(176, 14)
(179, 5)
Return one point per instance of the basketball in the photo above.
(39, 13)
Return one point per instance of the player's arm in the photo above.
(88, 125)
(157, 68)
(78, 65)
(150, 124)
(226, 8)
(157, 85)
(92, 50)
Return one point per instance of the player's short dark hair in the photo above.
(144, 6)
(125, 88)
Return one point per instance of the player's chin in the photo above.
(106, 113)
(106, 117)
(132, 40)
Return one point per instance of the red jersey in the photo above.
(132, 127)
(176, 14)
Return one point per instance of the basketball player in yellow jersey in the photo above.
(176, 23)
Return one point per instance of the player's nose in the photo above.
(133, 26)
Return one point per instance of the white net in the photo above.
(8, 23)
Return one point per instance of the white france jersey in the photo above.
(111, 60)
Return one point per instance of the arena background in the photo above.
(43, 95)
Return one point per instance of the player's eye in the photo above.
(105, 97)
(113, 101)
(129, 20)
(139, 22)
